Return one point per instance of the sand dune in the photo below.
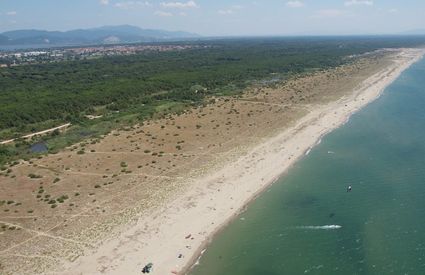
(186, 224)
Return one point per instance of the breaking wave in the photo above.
(322, 227)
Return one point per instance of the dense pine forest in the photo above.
(35, 97)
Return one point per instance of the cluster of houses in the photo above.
(25, 57)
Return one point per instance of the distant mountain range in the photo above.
(101, 35)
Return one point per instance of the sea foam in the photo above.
(323, 227)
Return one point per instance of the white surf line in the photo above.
(320, 227)
(200, 256)
(308, 151)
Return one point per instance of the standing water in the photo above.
(307, 222)
(39, 147)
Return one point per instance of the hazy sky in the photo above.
(220, 17)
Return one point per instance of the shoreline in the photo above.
(198, 255)
(190, 223)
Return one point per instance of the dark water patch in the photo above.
(86, 133)
(39, 147)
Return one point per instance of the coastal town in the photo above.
(49, 55)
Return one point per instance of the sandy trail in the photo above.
(213, 200)
(63, 126)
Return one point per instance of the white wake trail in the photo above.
(320, 227)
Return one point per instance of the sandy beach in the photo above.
(187, 224)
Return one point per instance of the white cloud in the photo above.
(130, 4)
(393, 10)
(326, 13)
(104, 2)
(180, 5)
(295, 4)
(163, 13)
(230, 10)
(225, 12)
(122, 5)
(358, 2)
(11, 13)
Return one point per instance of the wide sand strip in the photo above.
(186, 225)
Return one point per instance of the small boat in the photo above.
(349, 188)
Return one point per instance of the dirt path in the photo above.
(37, 133)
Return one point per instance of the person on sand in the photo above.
(147, 268)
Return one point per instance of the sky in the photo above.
(220, 17)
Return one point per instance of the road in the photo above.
(37, 133)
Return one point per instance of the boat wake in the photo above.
(321, 227)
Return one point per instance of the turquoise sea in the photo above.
(307, 222)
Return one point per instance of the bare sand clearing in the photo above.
(150, 192)
(187, 224)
